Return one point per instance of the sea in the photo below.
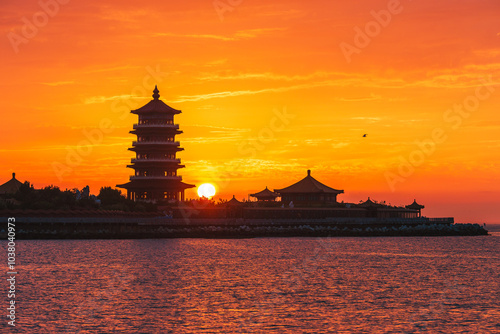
(261, 285)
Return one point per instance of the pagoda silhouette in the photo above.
(155, 165)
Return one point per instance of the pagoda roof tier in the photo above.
(266, 193)
(153, 131)
(156, 148)
(162, 125)
(308, 185)
(166, 160)
(156, 164)
(415, 206)
(156, 106)
(148, 184)
(156, 143)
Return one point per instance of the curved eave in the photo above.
(156, 185)
(156, 164)
(319, 191)
(156, 106)
(158, 130)
(156, 148)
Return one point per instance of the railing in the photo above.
(162, 125)
(175, 143)
(159, 177)
(445, 219)
(155, 160)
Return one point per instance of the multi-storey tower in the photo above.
(155, 163)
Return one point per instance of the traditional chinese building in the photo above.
(309, 191)
(155, 164)
(265, 195)
(416, 206)
(11, 186)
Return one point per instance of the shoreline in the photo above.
(51, 228)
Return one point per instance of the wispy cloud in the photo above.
(239, 35)
(266, 76)
(372, 97)
(102, 99)
(201, 97)
(202, 36)
(111, 69)
(221, 128)
(58, 83)
(368, 119)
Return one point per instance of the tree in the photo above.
(110, 196)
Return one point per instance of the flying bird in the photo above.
(364, 135)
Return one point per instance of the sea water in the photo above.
(273, 285)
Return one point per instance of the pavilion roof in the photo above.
(156, 105)
(234, 202)
(308, 185)
(265, 193)
(11, 186)
(415, 205)
(369, 203)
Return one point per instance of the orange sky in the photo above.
(73, 66)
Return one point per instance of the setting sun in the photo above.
(206, 190)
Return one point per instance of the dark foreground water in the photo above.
(288, 285)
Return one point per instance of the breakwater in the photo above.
(162, 227)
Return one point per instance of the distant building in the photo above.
(11, 186)
(265, 195)
(309, 191)
(234, 202)
(155, 165)
(416, 206)
(370, 204)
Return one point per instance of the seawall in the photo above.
(162, 227)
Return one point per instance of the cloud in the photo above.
(202, 36)
(368, 119)
(201, 97)
(239, 35)
(372, 97)
(112, 69)
(58, 83)
(266, 76)
(102, 99)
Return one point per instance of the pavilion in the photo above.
(265, 195)
(309, 191)
(416, 206)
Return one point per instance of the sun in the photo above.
(206, 190)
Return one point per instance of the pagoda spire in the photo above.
(156, 94)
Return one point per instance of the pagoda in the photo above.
(155, 164)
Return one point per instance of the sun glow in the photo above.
(206, 190)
